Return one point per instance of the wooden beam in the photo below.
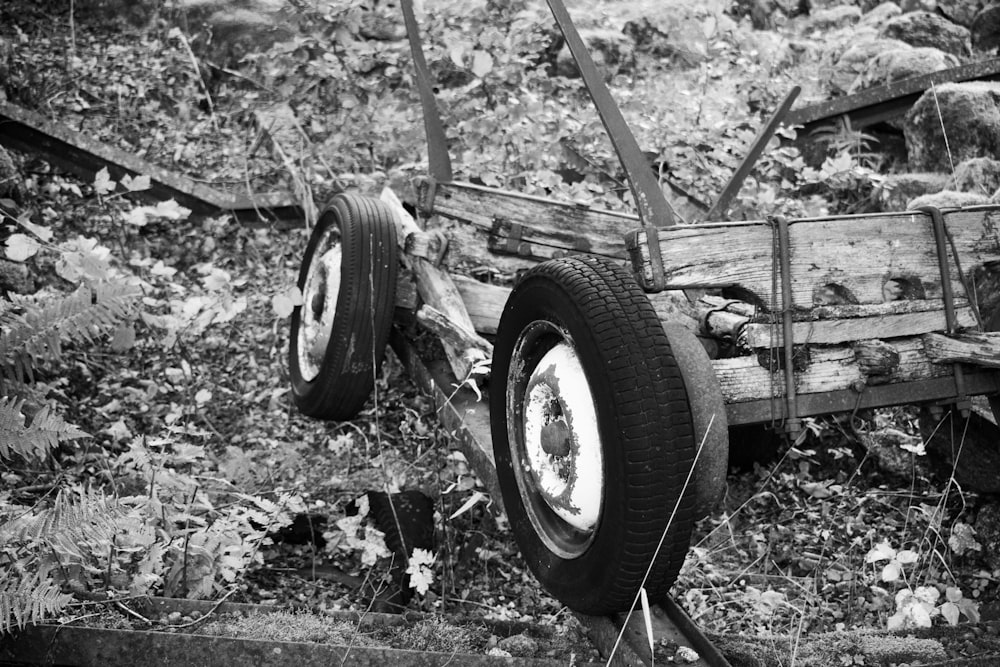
(436, 288)
(827, 369)
(532, 226)
(77, 153)
(832, 331)
(978, 349)
(864, 259)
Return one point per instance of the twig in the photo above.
(132, 612)
(208, 613)
(201, 79)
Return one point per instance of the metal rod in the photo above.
(653, 207)
(793, 424)
(438, 162)
(764, 135)
(948, 296)
(707, 651)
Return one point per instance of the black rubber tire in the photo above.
(364, 308)
(708, 412)
(644, 422)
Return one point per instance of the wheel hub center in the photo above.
(564, 456)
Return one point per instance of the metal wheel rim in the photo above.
(319, 303)
(555, 444)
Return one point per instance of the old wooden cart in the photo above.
(611, 391)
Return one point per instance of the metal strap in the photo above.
(793, 424)
(654, 210)
(732, 188)
(947, 295)
(438, 162)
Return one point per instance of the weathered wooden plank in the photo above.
(454, 335)
(980, 349)
(484, 302)
(857, 259)
(830, 368)
(436, 289)
(547, 227)
(827, 332)
(76, 152)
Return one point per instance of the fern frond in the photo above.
(28, 599)
(37, 439)
(44, 325)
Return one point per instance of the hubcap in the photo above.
(319, 303)
(557, 444)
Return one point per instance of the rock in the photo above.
(899, 189)
(977, 444)
(987, 525)
(853, 61)
(985, 29)
(909, 6)
(770, 14)
(835, 17)
(880, 15)
(233, 28)
(980, 175)
(928, 29)
(11, 183)
(962, 12)
(612, 51)
(948, 199)
(519, 646)
(884, 446)
(15, 278)
(897, 64)
(970, 114)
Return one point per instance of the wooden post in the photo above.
(444, 313)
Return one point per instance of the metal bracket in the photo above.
(653, 207)
(721, 205)
(506, 238)
(426, 193)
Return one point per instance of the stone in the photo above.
(987, 525)
(962, 12)
(519, 646)
(15, 278)
(898, 190)
(613, 52)
(234, 28)
(969, 114)
(980, 175)
(929, 29)
(898, 64)
(11, 183)
(853, 61)
(985, 29)
(879, 15)
(833, 18)
(975, 442)
(948, 199)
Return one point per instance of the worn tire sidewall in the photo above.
(584, 578)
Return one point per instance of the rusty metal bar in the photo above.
(793, 424)
(721, 205)
(881, 103)
(947, 295)
(73, 151)
(438, 162)
(874, 396)
(653, 207)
